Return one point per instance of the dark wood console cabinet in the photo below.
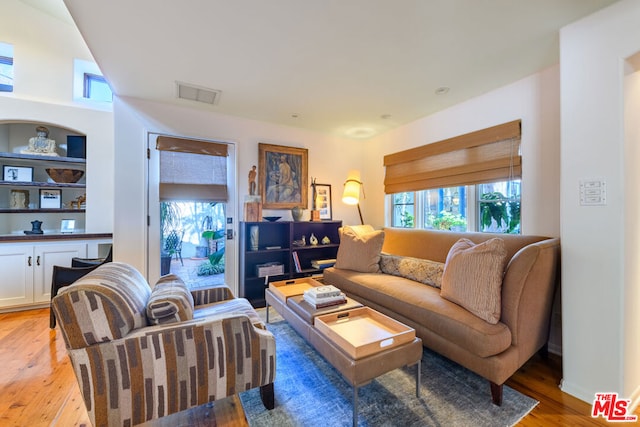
(276, 245)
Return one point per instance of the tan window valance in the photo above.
(192, 170)
(487, 155)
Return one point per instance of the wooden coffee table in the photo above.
(358, 341)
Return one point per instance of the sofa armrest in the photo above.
(528, 289)
(210, 295)
(159, 370)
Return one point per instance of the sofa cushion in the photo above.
(359, 251)
(420, 270)
(422, 305)
(472, 277)
(170, 301)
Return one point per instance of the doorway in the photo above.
(191, 211)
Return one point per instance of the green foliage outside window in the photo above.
(500, 213)
(445, 220)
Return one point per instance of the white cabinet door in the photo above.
(45, 257)
(16, 275)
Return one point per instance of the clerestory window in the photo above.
(6, 67)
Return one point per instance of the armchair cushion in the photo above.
(170, 301)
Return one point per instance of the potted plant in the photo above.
(495, 207)
(214, 264)
(169, 221)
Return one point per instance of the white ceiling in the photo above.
(351, 68)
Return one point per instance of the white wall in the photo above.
(631, 320)
(44, 50)
(535, 100)
(599, 243)
(330, 160)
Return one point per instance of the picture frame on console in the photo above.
(323, 201)
(282, 176)
(50, 199)
(17, 173)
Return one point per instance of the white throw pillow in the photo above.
(472, 277)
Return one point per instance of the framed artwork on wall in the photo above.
(282, 176)
(323, 200)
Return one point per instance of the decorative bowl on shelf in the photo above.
(65, 176)
(271, 218)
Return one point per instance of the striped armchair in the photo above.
(140, 354)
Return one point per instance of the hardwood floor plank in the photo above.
(38, 386)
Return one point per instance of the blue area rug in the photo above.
(310, 392)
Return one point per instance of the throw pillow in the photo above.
(421, 270)
(170, 301)
(359, 252)
(472, 277)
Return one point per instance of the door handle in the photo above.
(29, 261)
(38, 260)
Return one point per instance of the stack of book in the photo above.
(323, 263)
(324, 296)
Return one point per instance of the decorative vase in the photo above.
(313, 239)
(254, 234)
(296, 213)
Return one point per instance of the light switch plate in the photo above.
(593, 192)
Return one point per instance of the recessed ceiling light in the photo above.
(442, 90)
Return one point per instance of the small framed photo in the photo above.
(17, 173)
(50, 199)
(323, 200)
(67, 226)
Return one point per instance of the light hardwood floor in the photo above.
(38, 388)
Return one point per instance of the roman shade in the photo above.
(487, 155)
(192, 170)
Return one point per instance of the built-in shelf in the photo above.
(18, 156)
(27, 211)
(42, 184)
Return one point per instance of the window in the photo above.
(499, 207)
(490, 208)
(403, 210)
(468, 182)
(6, 67)
(89, 85)
(96, 88)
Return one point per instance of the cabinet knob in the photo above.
(38, 260)
(29, 261)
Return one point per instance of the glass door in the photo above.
(190, 230)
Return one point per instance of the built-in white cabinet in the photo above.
(26, 268)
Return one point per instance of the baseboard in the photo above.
(554, 349)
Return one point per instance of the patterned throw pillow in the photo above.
(359, 252)
(170, 301)
(420, 270)
(472, 277)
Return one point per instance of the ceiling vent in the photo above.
(198, 93)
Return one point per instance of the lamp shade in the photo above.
(351, 194)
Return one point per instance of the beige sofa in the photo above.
(494, 351)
